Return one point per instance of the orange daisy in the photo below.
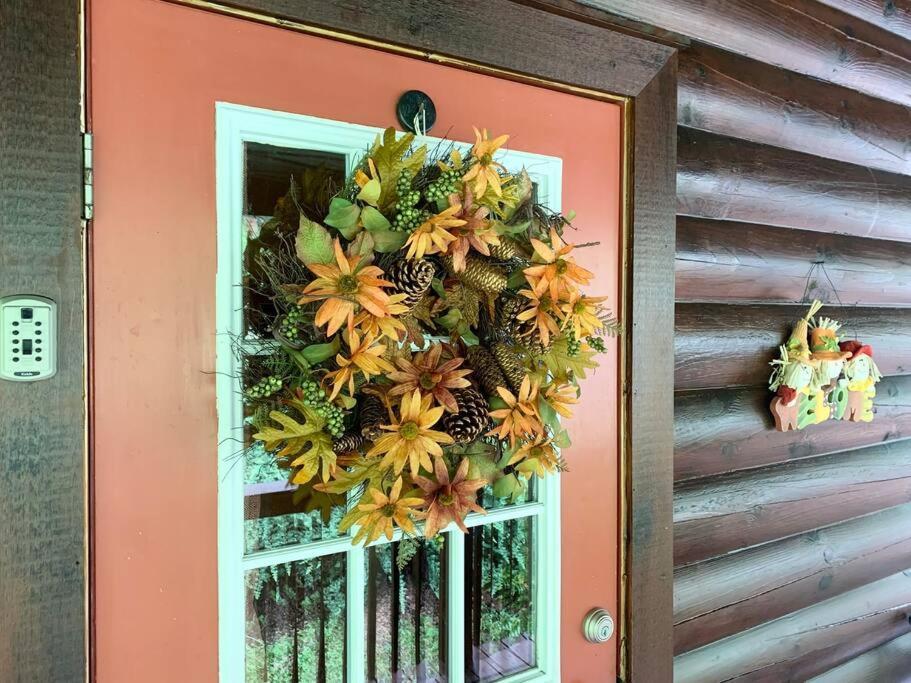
(345, 286)
(556, 267)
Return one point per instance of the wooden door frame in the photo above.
(513, 40)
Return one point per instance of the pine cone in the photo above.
(480, 274)
(348, 443)
(373, 414)
(472, 419)
(411, 278)
(509, 251)
(507, 308)
(510, 365)
(486, 369)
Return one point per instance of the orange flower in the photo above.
(555, 267)
(410, 439)
(387, 325)
(476, 233)
(449, 500)
(345, 285)
(366, 358)
(433, 236)
(376, 519)
(582, 314)
(484, 170)
(541, 312)
(425, 372)
(520, 418)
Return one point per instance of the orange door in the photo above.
(166, 605)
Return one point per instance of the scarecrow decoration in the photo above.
(799, 400)
(854, 394)
(821, 378)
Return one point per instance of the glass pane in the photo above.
(499, 600)
(278, 181)
(295, 623)
(278, 515)
(405, 614)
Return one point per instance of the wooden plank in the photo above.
(807, 642)
(719, 345)
(743, 262)
(42, 432)
(733, 95)
(565, 50)
(726, 513)
(891, 15)
(726, 178)
(782, 36)
(648, 490)
(726, 595)
(889, 663)
(723, 430)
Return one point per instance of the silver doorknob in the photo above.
(598, 626)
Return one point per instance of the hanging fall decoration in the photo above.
(431, 332)
(817, 377)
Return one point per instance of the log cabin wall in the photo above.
(792, 550)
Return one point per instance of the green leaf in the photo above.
(373, 220)
(388, 241)
(517, 279)
(317, 353)
(561, 439)
(548, 415)
(313, 243)
(437, 285)
(343, 216)
(362, 245)
(370, 193)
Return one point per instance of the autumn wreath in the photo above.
(431, 332)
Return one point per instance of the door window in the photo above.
(297, 601)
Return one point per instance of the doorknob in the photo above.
(598, 626)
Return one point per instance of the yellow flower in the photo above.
(538, 456)
(366, 358)
(541, 312)
(410, 439)
(384, 326)
(581, 313)
(345, 285)
(484, 170)
(560, 397)
(433, 236)
(520, 418)
(555, 267)
(376, 519)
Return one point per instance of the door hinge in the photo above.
(88, 199)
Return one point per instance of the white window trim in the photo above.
(234, 126)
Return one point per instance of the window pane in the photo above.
(278, 181)
(405, 614)
(295, 623)
(278, 515)
(499, 600)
